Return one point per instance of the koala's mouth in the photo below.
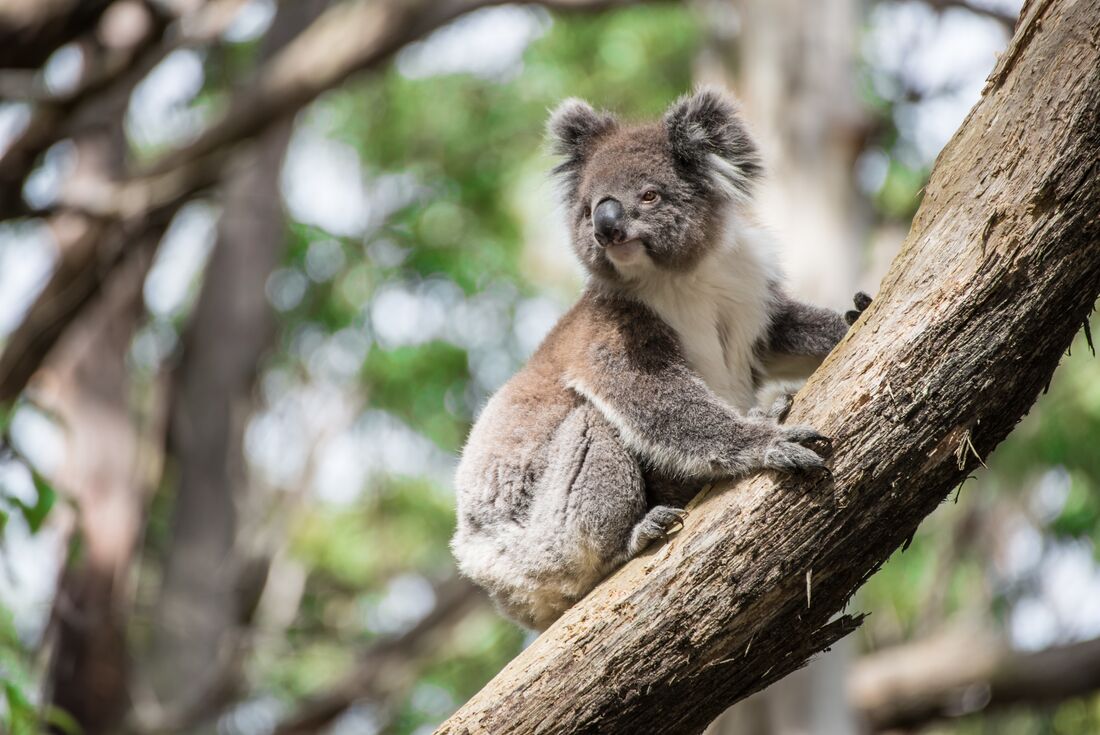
(626, 253)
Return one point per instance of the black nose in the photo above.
(607, 221)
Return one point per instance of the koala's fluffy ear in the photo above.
(574, 128)
(707, 135)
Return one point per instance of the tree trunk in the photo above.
(196, 628)
(202, 613)
(105, 473)
(105, 468)
(999, 272)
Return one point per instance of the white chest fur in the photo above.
(720, 311)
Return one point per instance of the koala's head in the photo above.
(654, 196)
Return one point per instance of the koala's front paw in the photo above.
(787, 451)
(656, 525)
(861, 301)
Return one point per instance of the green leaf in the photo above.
(36, 514)
(7, 412)
(22, 717)
(63, 721)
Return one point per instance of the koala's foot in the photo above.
(788, 452)
(656, 525)
(861, 301)
(778, 411)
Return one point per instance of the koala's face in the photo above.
(651, 197)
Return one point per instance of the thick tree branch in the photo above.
(999, 272)
(964, 671)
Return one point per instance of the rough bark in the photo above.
(964, 671)
(1000, 270)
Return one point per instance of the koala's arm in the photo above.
(630, 367)
(801, 335)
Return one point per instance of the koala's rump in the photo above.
(547, 495)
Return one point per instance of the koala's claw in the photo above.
(657, 524)
(793, 458)
(861, 301)
(788, 453)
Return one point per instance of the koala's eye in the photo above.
(650, 196)
(587, 212)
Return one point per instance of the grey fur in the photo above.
(582, 459)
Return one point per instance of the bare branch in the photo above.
(101, 96)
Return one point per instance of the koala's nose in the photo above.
(607, 221)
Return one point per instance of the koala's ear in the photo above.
(574, 128)
(706, 134)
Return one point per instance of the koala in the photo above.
(646, 389)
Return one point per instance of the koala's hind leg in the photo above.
(589, 514)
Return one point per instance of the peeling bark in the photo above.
(998, 274)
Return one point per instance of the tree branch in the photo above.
(31, 30)
(964, 671)
(998, 274)
(101, 96)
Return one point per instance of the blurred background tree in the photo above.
(261, 263)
